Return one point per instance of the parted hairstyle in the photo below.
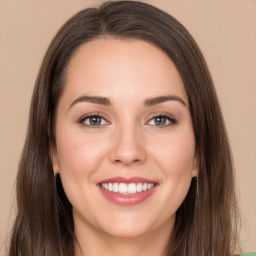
(206, 220)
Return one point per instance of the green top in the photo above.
(248, 254)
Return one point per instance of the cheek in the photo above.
(79, 157)
(176, 156)
(79, 154)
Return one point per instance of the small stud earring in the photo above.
(54, 170)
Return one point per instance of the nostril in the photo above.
(123, 161)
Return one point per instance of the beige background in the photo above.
(225, 31)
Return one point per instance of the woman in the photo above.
(126, 150)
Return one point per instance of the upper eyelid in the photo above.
(170, 117)
(81, 121)
(93, 114)
(153, 115)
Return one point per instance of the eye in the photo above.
(162, 120)
(93, 120)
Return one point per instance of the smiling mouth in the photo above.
(127, 189)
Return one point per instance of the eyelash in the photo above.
(170, 118)
(97, 115)
(82, 120)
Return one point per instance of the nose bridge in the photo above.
(127, 146)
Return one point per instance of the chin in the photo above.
(127, 232)
(129, 226)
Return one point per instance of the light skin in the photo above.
(143, 128)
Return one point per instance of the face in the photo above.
(125, 147)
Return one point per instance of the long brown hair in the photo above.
(206, 220)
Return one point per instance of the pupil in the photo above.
(160, 120)
(95, 120)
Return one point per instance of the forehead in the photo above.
(117, 67)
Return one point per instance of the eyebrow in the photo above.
(91, 99)
(161, 99)
(106, 101)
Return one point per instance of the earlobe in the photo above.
(55, 169)
(195, 173)
(54, 159)
(195, 167)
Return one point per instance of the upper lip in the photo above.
(120, 179)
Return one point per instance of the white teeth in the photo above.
(105, 185)
(150, 186)
(132, 188)
(115, 187)
(110, 186)
(127, 189)
(123, 188)
(144, 187)
(139, 187)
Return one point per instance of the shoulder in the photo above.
(247, 254)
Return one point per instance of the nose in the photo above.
(128, 146)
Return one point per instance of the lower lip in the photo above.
(131, 199)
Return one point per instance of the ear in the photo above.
(195, 170)
(54, 158)
(194, 173)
